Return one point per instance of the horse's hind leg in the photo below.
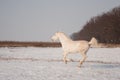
(83, 59)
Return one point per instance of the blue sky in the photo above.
(38, 20)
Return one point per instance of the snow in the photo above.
(33, 63)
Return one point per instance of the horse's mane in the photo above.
(65, 35)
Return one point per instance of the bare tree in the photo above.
(105, 27)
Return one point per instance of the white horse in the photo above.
(70, 46)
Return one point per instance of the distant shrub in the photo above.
(28, 44)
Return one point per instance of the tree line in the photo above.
(105, 28)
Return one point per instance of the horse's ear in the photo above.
(58, 31)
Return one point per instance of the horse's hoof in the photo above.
(79, 66)
(71, 60)
(65, 62)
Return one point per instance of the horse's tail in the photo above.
(93, 42)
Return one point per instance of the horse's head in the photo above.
(55, 37)
(59, 36)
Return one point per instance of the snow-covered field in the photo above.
(31, 63)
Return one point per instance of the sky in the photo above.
(38, 20)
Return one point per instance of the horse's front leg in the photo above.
(65, 57)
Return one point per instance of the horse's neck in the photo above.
(64, 39)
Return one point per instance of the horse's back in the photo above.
(82, 44)
(76, 46)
